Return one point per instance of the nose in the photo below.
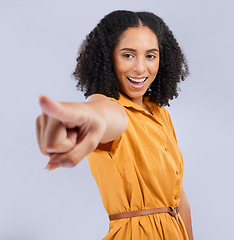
(140, 65)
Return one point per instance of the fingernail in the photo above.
(47, 168)
(52, 166)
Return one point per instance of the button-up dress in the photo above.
(142, 169)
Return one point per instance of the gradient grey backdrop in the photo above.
(39, 43)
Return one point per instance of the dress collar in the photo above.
(126, 102)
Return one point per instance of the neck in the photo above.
(138, 101)
(141, 103)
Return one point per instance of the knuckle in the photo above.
(42, 149)
(49, 147)
(92, 144)
(38, 121)
(72, 160)
(41, 120)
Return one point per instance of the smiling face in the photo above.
(136, 62)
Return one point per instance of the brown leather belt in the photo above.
(171, 210)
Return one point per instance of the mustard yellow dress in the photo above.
(142, 169)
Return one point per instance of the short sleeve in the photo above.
(112, 147)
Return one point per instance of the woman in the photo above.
(128, 67)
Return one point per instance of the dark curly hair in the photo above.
(94, 70)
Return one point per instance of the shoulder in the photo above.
(97, 97)
(103, 100)
(164, 112)
(165, 115)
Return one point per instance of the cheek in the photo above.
(154, 68)
(121, 68)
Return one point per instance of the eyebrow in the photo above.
(134, 50)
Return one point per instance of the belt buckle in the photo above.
(173, 211)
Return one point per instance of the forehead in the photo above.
(138, 37)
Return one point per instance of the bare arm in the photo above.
(114, 115)
(184, 209)
(68, 132)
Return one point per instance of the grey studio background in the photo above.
(39, 44)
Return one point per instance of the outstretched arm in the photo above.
(68, 132)
(184, 209)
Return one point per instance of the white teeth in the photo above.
(137, 79)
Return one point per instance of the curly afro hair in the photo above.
(94, 70)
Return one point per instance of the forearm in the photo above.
(111, 114)
(68, 132)
(185, 213)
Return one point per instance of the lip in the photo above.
(137, 85)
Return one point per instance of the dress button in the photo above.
(166, 148)
(177, 172)
(175, 197)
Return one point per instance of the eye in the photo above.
(128, 55)
(151, 56)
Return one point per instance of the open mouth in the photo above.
(137, 82)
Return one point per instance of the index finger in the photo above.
(64, 112)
